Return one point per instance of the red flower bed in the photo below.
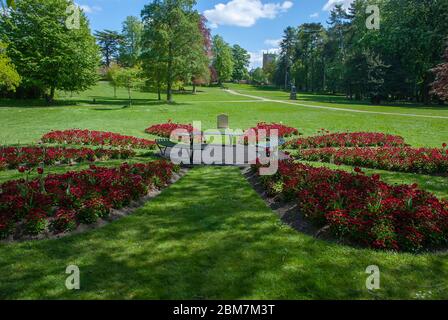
(60, 202)
(283, 131)
(97, 138)
(364, 209)
(165, 129)
(405, 159)
(13, 157)
(356, 139)
(3, 164)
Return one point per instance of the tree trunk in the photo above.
(130, 98)
(115, 92)
(169, 93)
(51, 97)
(194, 88)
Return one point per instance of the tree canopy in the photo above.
(66, 60)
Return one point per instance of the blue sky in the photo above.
(256, 25)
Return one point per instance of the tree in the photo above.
(46, 53)
(287, 50)
(241, 59)
(7, 3)
(128, 78)
(111, 76)
(9, 78)
(109, 42)
(171, 31)
(131, 37)
(258, 76)
(222, 59)
(440, 85)
(202, 55)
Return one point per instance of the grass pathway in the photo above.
(263, 99)
(210, 236)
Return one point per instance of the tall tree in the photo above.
(130, 47)
(287, 51)
(109, 42)
(222, 59)
(440, 85)
(9, 78)
(67, 59)
(241, 59)
(171, 28)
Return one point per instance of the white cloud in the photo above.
(273, 42)
(314, 15)
(89, 9)
(331, 3)
(244, 13)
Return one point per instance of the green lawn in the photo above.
(210, 235)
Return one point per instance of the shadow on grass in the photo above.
(337, 99)
(207, 237)
(34, 103)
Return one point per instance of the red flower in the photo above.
(22, 169)
(72, 192)
(363, 209)
(40, 170)
(97, 138)
(444, 145)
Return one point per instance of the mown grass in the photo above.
(210, 235)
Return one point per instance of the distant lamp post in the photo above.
(293, 95)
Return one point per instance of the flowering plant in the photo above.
(14, 157)
(355, 139)
(65, 200)
(405, 159)
(364, 209)
(97, 138)
(165, 129)
(283, 131)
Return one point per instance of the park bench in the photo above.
(163, 144)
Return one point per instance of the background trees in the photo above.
(9, 78)
(128, 78)
(66, 60)
(222, 59)
(173, 38)
(394, 62)
(440, 86)
(241, 60)
(109, 42)
(131, 38)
